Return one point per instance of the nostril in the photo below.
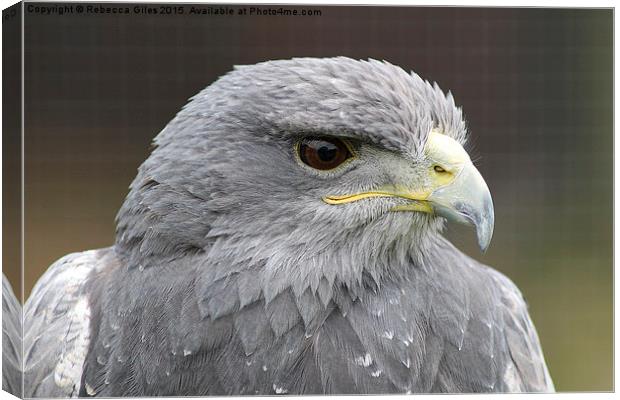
(439, 169)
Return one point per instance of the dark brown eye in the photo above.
(323, 153)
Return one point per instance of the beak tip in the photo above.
(484, 244)
(484, 231)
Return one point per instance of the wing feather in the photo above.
(11, 340)
(57, 325)
(526, 369)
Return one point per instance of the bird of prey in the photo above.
(285, 237)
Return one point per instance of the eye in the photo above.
(439, 169)
(323, 153)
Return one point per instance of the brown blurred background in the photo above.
(535, 85)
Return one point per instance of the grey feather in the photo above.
(282, 313)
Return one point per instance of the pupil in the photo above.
(327, 152)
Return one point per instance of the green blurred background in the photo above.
(535, 86)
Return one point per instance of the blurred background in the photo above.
(535, 86)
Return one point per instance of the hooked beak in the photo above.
(467, 200)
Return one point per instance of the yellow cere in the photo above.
(445, 150)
